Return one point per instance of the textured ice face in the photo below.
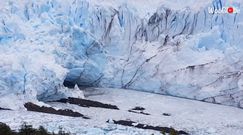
(157, 47)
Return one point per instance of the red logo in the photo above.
(230, 10)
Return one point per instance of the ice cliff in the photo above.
(169, 47)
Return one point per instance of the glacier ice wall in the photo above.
(179, 51)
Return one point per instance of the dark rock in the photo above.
(87, 103)
(144, 126)
(4, 108)
(166, 114)
(33, 107)
(138, 110)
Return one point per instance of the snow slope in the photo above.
(196, 118)
(168, 47)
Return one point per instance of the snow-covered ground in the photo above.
(196, 118)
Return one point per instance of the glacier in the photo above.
(173, 47)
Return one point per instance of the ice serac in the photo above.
(169, 47)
